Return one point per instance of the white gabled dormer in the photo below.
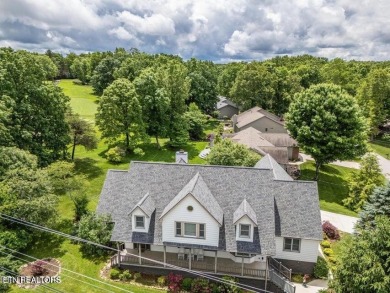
(141, 213)
(245, 221)
(193, 216)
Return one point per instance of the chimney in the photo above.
(181, 157)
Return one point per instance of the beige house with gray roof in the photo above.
(281, 146)
(260, 120)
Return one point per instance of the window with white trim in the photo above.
(292, 244)
(245, 231)
(194, 230)
(140, 222)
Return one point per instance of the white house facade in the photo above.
(226, 220)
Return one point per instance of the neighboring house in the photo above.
(226, 108)
(281, 146)
(259, 119)
(218, 219)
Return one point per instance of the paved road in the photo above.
(348, 164)
(383, 163)
(343, 223)
(385, 166)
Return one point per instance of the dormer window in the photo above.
(245, 231)
(139, 222)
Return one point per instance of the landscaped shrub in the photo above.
(125, 276)
(115, 273)
(297, 278)
(325, 244)
(115, 155)
(137, 276)
(162, 281)
(330, 231)
(226, 288)
(174, 282)
(186, 285)
(200, 285)
(38, 268)
(321, 268)
(139, 152)
(332, 259)
(328, 252)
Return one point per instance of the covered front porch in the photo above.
(210, 261)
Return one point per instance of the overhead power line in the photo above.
(211, 277)
(62, 274)
(16, 275)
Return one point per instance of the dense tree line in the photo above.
(271, 84)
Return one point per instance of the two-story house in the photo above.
(224, 220)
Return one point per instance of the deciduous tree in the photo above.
(228, 153)
(82, 133)
(253, 86)
(374, 98)
(173, 79)
(120, 114)
(203, 84)
(196, 122)
(155, 104)
(327, 124)
(96, 228)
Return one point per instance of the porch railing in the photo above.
(195, 265)
(281, 282)
(279, 267)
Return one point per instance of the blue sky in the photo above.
(215, 30)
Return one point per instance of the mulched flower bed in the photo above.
(48, 267)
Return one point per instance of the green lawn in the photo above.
(332, 186)
(83, 101)
(94, 165)
(381, 147)
(71, 259)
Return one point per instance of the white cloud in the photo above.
(218, 30)
(155, 24)
(121, 33)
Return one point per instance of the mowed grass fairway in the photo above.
(332, 186)
(83, 101)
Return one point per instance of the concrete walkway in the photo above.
(312, 287)
(343, 223)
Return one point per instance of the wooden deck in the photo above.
(223, 265)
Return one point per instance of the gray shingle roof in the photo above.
(283, 208)
(223, 102)
(244, 209)
(254, 114)
(199, 190)
(267, 162)
(146, 204)
(274, 144)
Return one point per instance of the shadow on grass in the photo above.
(87, 166)
(95, 259)
(46, 245)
